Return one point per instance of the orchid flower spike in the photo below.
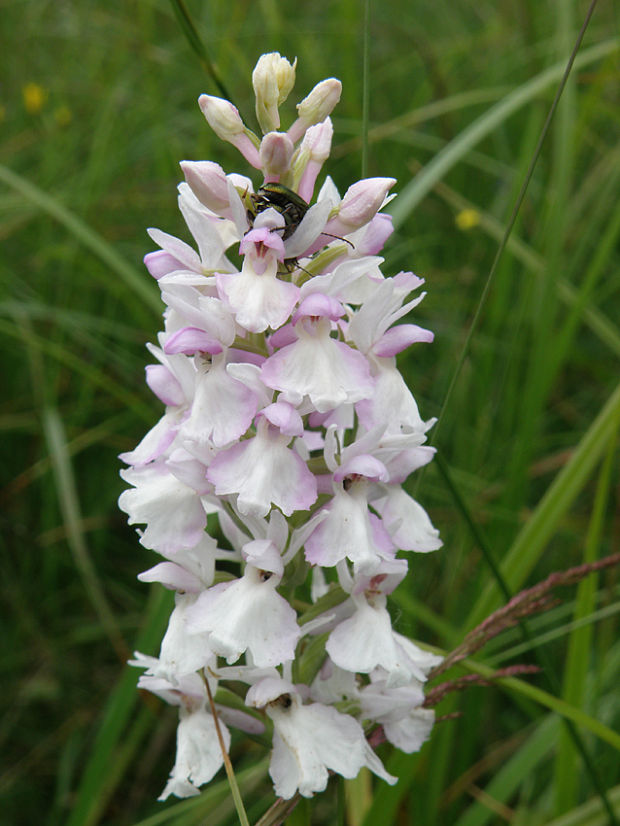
(274, 477)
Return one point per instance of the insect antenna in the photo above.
(340, 238)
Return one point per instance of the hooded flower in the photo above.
(248, 614)
(327, 371)
(309, 740)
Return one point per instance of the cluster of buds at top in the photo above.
(288, 426)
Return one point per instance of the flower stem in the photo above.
(234, 788)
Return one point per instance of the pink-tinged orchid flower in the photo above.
(264, 471)
(327, 371)
(256, 296)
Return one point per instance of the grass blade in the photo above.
(134, 280)
(531, 541)
(435, 170)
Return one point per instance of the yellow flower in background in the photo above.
(467, 219)
(34, 98)
(63, 115)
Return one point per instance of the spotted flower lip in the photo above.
(257, 298)
(198, 754)
(316, 366)
(223, 407)
(173, 512)
(287, 433)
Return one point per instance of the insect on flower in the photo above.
(289, 204)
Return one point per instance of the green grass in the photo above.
(458, 94)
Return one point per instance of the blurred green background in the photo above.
(97, 107)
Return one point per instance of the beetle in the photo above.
(289, 204)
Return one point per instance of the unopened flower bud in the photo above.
(160, 263)
(360, 204)
(313, 152)
(222, 117)
(363, 199)
(317, 141)
(273, 78)
(226, 122)
(208, 182)
(358, 208)
(321, 101)
(276, 151)
(316, 106)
